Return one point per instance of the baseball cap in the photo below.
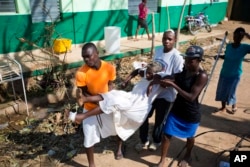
(194, 52)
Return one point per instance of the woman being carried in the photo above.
(129, 109)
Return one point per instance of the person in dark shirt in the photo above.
(184, 117)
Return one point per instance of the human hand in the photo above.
(149, 88)
(247, 35)
(78, 92)
(81, 99)
(219, 56)
(166, 83)
(156, 79)
(124, 84)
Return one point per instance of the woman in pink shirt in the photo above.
(142, 19)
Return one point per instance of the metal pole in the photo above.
(153, 36)
(216, 60)
(169, 26)
(179, 25)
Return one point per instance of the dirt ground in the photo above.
(51, 143)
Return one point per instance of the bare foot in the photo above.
(136, 39)
(150, 38)
(160, 164)
(233, 110)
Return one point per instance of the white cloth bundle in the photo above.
(129, 109)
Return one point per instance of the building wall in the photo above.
(84, 21)
(216, 11)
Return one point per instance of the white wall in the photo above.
(92, 5)
(180, 2)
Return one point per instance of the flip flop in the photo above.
(185, 163)
(118, 156)
(234, 110)
(220, 110)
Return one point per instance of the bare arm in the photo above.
(195, 90)
(110, 85)
(92, 112)
(83, 96)
(78, 118)
(247, 35)
(158, 80)
(131, 75)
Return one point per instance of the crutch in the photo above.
(216, 60)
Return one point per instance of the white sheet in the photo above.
(129, 109)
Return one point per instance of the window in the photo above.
(7, 6)
(133, 6)
(45, 10)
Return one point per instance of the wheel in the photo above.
(208, 28)
(192, 27)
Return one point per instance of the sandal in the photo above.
(234, 110)
(185, 162)
(222, 109)
(118, 156)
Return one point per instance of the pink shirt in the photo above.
(143, 11)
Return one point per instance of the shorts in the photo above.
(97, 127)
(142, 22)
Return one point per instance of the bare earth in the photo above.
(218, 132)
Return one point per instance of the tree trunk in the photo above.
(179, 25)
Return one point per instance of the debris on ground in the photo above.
(29, 141)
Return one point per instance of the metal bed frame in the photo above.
(11, 70)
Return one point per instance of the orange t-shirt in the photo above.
(95, 80)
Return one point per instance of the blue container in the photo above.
(224, 164)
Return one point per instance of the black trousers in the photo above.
(161, 108)
(142, 22)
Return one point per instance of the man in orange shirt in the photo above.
(142, 19)
(94, 77)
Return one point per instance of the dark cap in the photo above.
(194, 52)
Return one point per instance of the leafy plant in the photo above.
(54, 76)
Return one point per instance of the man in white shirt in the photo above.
(172, 63)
